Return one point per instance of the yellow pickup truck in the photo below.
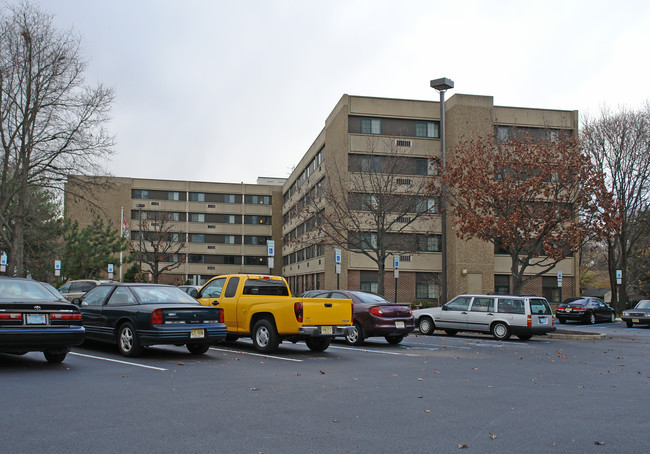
(261, 307)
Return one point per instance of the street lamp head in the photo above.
(442, 84)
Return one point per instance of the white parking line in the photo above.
(241, 352)
(381, 352)
(117, 361)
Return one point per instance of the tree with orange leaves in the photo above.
(536, 199)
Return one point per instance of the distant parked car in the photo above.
(311, 293)
(585, 309)
(34, 319)
(640, 314)
(134, 316)
(374, 316)
(500, 315)
(77, 288)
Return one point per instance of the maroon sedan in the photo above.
(374, 316)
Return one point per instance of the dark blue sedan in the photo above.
(134, 316)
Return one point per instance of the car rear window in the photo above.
(539, 306)
(265, 287)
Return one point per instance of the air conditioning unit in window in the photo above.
(403, 143)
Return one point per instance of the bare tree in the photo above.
(619, 144)
(158, 245)
(370, 204)
(51, 122)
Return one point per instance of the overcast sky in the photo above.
(228, 91)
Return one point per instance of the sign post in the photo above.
(337, 260)
(57, 268)
(396, 272)
(110, 271)
(559, 283)
(619, 281)
(3, 262)
(270, 252)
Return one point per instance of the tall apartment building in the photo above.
(472, 266)
(225, 226)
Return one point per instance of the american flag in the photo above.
(125, 227)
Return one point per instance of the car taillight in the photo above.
(529, 322)
(578, 309)
(297, 309)
(65, 316)
(11, 316)
(376, 310)
(221, 316)
(156, 317)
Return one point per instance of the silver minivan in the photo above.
(500, 315)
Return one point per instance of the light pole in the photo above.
(442, 85)
(140, 206)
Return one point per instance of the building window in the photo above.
(175, 217)
(370, 126)
(368, 240)
(196, 258)
(254, 261)
(550, 290)
(427, 129)
(427, 286)
(502, 284)
(257, 199)
(139, 194)
(259, 220)
(256, 240)
(229, 198)
(197, 238)
(197, 197)
(173, 195)
(369, 281)
(229, 219)
(197, 217)
(229, 239)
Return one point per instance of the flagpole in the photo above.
(121, 236)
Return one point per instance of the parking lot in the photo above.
(428, 394)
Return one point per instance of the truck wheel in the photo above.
(318, 344)
(198, 349)
(356, 336)
(265, 337)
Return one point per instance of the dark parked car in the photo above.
(640, 314)
(584, 309)
(374, 316)
(33, 319)
(134, 316)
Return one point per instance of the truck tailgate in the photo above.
(325, 311)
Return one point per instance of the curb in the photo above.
(578, 335)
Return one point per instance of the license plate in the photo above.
(326, 330)
(568, 309)
(399, 324)
(35, 319)
(196, 333)
(635, 320)
(542, 320)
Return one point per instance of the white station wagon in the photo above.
(500, 315)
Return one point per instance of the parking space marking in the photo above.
(117, 361)
(255, 354)
(433, 346)
(365, 350)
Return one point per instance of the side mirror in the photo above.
(76, 301)
(445, 308)
(194, 293)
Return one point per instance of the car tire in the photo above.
(265, 336)
(318, 344)
(451, 332)
(56, 356)
(426, 325)
(524, 337)
(612, 318)
(561, 320)
(591, 318)
(197, 349)
(127, 341)
(500, 331)
(356, 336)
(629, 324)
(394, 340)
